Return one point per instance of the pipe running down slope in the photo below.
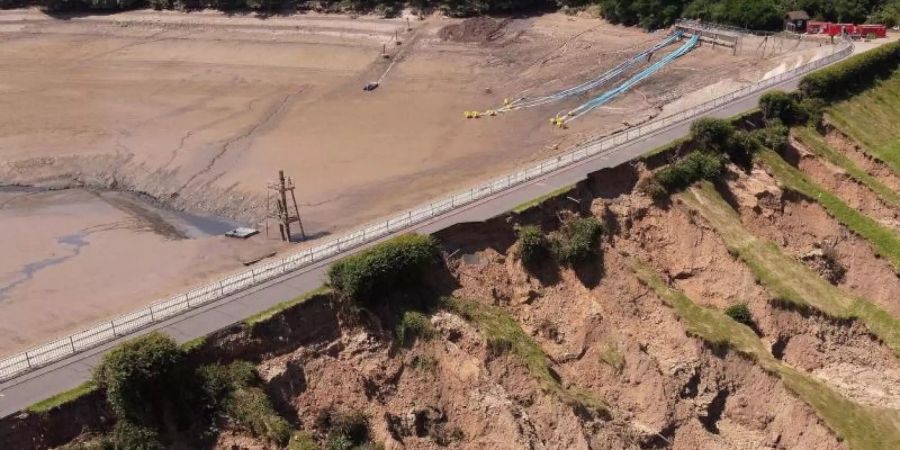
(606, 77)
(609, 95)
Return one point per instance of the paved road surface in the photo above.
(23, 391)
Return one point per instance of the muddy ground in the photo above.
(200, 110)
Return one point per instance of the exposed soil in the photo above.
(476, 29)
(873, 166)
(839, 182)
(802, 226)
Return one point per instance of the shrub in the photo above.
(694, 167)
(141, 378)
(413, 325)
(250, 408)
(740, 313)
(127, 435)
(576, 240)
(853, 74)
(743, 146)
(397, 263)
(346, 429)
(774, 136)
(532, 244)
(779, 105)
(712, 134)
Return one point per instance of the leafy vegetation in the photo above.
(532, 244)
(413, 325)
(740, 313)
(675, 177)
(863, 427)
(158, 397)
(884, 240)
(576, 240)
(814, 141)
(397, 263)
(787, 279)
(852, 75)
(783, 107)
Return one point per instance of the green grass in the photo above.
(537, 201)
(786, 278)
(503, 334)
(864, 428)
(885, 241)
(267, 314)
(871, 119)
(62, 398)
(193, 344)
(665, 147)
(816, 143)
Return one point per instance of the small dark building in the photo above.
(795, 21)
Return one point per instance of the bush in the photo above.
(774, 136)
(712, 134)
(413, 325)
(679, 175)
(781, 106)
(142, 378)
(250, 408)
(532, 244)
(345, 429)
(127, 435)
(740, 313)
(853, 74)
(397, 263)
(576, 240)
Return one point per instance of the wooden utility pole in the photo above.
(281, 213)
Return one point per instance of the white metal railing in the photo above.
(63, 347)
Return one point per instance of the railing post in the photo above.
(72, 343)
(113, 325)
(27, 360)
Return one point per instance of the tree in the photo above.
(141, 378)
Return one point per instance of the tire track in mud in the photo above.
(268, 119)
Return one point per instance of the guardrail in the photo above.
(61, 348)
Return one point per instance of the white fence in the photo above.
(66, 346)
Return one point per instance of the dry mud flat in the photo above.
(94, 256)
(199, 110)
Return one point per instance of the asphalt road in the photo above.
(19, 393)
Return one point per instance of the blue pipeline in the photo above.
(609, 75)
(607, 96)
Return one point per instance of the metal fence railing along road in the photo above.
(61, 348)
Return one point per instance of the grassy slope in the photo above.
(871, 119)
(816, 143)
(62, 398)
(788, 279)
(263, 316)
(502, 330)
(537, 201)
(885, 240)
(862, 427)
